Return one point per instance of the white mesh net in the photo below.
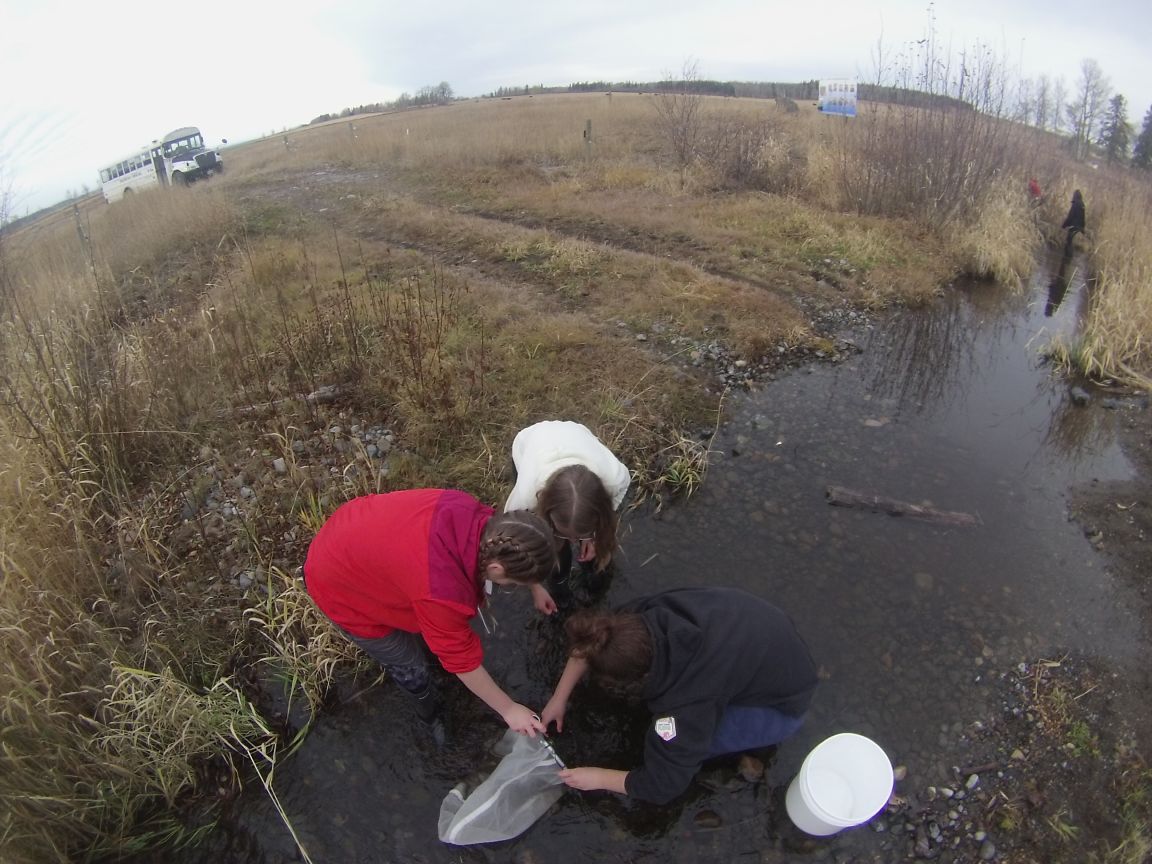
(517, 793)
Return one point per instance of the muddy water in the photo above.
(949, 408)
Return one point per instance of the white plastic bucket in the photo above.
(844, 781)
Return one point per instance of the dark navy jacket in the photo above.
(712, 647)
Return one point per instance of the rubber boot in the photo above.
(430, 710)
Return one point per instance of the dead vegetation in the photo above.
(447, 276)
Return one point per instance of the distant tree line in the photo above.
(1093, 118)
(796, 90)
(433, 94)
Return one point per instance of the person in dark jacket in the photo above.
(720, 669)
(1074, 221)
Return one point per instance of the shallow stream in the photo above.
(949, 408)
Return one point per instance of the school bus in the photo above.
(177, 159)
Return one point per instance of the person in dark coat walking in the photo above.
(1074, 221)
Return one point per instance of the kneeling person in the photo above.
(721, 671)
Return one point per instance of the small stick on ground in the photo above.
(840, 497)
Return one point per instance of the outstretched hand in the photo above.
(522, 719)
(587, 550)
(543, 601)
(553, 713)
(593, 779)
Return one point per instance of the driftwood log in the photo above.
(327, 393)
(838, 496)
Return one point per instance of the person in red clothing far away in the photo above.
(403, 573)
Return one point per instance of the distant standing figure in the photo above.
(1034, 190)
(1074, 221)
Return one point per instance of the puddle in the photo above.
(949, 408)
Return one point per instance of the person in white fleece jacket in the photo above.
(566, 475)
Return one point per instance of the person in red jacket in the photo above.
(404, 570)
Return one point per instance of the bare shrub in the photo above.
(679, 118)
(934, 150)
(753, 153)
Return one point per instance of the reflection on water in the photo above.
(976, 360)
(950, 407)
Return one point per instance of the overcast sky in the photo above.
(86, 81)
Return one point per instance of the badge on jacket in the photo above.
(666, 728)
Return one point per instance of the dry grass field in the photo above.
(437, 278)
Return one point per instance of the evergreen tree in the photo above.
(1142, 153)
(1116, 131)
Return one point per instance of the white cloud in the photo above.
(86, 82)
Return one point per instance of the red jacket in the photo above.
(404, 561)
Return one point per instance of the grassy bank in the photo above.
(192, 381)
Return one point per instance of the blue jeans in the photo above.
(746, 727)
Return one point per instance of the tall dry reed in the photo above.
(148, 340)
(1116, 341)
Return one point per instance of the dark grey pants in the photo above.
(404, 655)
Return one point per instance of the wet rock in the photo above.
(707, 819)
(190, 507)
(750, 768)
(923, 846)
(987, 851)
(1079, 396)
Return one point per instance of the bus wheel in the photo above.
(126, 192)
(178, 179)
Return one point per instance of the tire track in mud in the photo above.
(633, 240)
(802, 287)
(357, 203)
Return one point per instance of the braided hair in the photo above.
(521, 542)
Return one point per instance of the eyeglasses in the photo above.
(559, 534)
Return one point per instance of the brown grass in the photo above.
(458, 273)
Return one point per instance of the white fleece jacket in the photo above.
(540, 450)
